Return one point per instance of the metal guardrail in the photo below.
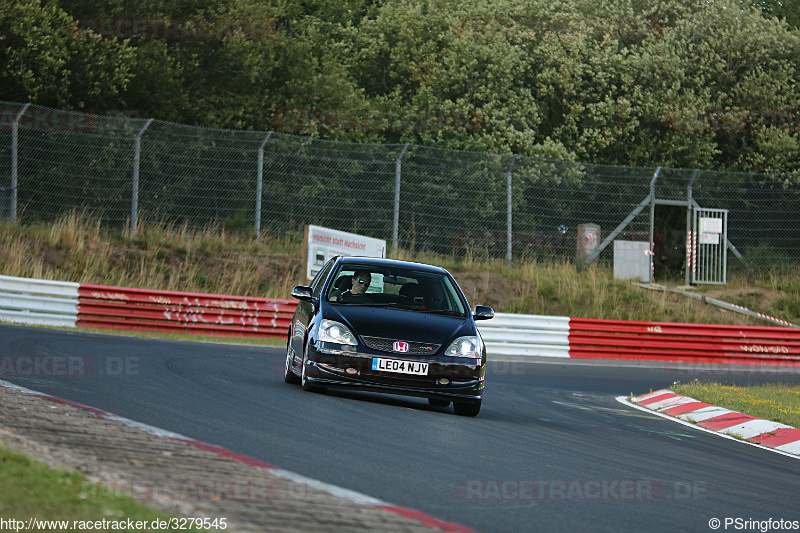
(38, 302)
(531, 335)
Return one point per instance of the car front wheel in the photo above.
(304, 381)
(288, 375)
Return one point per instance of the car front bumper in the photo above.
(344, 367)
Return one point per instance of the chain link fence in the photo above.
(142, 171)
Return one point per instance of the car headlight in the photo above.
(466, 347)
(332, 331)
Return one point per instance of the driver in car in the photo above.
(359, 285)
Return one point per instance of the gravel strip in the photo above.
(180, 478)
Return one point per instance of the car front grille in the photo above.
(414, 348)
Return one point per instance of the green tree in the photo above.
(50, 61)
(781, 9)
(714, 80)
(465, 59)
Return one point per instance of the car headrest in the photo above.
(343, 283)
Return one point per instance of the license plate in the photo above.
(400, 367)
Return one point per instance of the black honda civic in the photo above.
(388, 326)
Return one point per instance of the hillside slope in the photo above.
(215, 262)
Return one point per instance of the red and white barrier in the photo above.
(667, 341)
(101, 306)
(29, 301)
(586, 338)
(41, 302)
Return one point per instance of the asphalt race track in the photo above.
(551, 448)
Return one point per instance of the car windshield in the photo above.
(401, 287)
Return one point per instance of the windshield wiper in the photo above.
(393, 305)
(443, 312)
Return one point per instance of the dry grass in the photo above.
(78, 248)
(160, 257)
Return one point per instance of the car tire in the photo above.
(467, 408)
(438, 403)
(304, 382)
(288, 375)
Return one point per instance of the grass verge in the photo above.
(256, 341)
(776, 402)
(31, 489)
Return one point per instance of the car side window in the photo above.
(319, 279)
(342, 283)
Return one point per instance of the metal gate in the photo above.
(707, 252)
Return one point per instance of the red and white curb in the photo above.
(333, 490)
(731, 424)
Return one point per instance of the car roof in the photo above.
(382, 262)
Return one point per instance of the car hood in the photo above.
(401, 324)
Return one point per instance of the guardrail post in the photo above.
(137, 148)
(260, 183)
(509, 217)
(396, 226)
(14, 161)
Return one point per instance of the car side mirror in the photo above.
(483, 312)
(301, 292)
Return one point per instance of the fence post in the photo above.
(14, 161)
(396, 227)
(689, 246)
(509, 233)
(260, 183)
(653, 220)
(137, 148)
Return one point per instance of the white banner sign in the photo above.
(324, 243)
(709, 238)
(710, 225)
